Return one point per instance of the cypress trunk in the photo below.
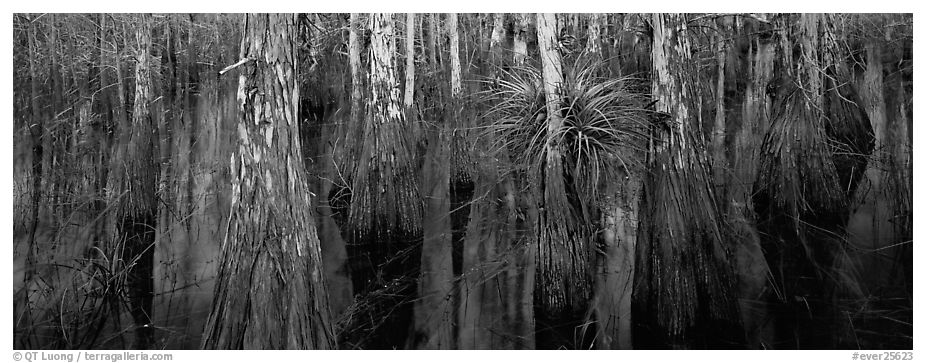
(269, 290)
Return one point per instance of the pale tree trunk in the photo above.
(593, 47)
(269, 291)
(552, 282)
(433, 35)
(346, 149)
(671, 48)
(456, 85)
(410, 74)
(495, 43)
(521, 29)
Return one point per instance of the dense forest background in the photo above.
(461, 181)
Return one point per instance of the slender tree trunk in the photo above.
(410, 114)
(269, 292)
(50, 176)
(433, 35)
(136, 174)
(495, 44)
(593, 47)
(354, 130)
(521, 29)
(456, 85)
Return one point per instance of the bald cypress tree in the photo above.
(269, 291)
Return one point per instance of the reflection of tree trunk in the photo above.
(614, 278)
(872, 218)
(410, 114)
(269, 292)
(36, 131)
(752, 268)
(137, 212)
(434, 317)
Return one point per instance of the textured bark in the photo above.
(385, 192)
(562, 253)
(410, 73)
(456, 83)
(495, 43)
(671, 53)
(433, 35)
(385, 211)
(136, 172)
(348, 148)
(521, 29)
(269, 292)
(593, 47)
(684, 263)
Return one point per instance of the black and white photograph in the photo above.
(460, 181)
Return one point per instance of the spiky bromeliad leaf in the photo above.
(602, 121)
(684, 264)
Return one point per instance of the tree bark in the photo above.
(521, 29)
(456, 84)
(410, 114)
(136, 173)
(593, 47)
(269, 292)
(385, 207)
